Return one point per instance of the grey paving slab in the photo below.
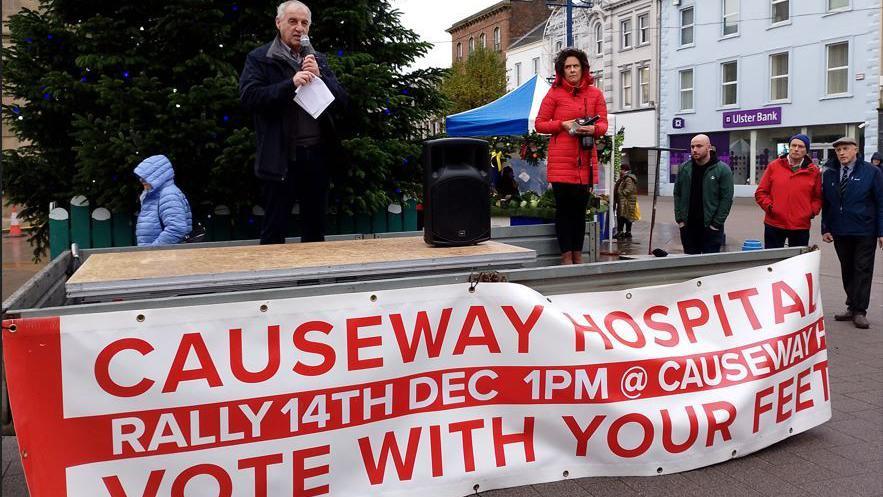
(874, 397)
(768, 483)
(838, 464)
(872, 415)
(564, 488)
(870, 485)
(861, 452)
(605, 486)
(862, 429)
(711, 477)
(846, 403)
(800, 471)
(524, 491)
(675, 485)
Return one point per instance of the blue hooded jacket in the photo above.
(165, 217)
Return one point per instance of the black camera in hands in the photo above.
(587, 141)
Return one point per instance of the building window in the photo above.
(626, 78)
(599, 79)
(599, 39)
(686, 90)
(838, 68)
(558, 46)
(626, 29)
(781, 11)
(459, 51)
(498, 44)
(518, 74)
(482, 40)
(729, 83)
(536, 65)
(643, 29)
(779, 76)
(687, 26)
(838, 4)
(644, 81)
(471, 44)
(730, 17)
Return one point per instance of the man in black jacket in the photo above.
(292, 147)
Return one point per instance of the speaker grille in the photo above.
(457, 192)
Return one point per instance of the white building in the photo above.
(528, 55)
(752, 73)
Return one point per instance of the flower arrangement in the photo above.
(540, 206)
(534, 147)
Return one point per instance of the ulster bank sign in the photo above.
(754, 117)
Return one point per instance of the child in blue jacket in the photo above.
(165, 217)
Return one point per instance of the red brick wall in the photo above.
(486, 25)
(526, 16)
(514, 20)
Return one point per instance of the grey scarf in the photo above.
(280, 51)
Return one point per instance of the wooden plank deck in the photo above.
(125, 272)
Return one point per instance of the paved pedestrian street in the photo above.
(841, 458)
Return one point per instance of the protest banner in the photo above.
(442, 390)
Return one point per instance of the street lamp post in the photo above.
(568, 8)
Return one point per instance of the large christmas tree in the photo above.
(100, 85)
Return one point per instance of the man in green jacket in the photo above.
(703, 197)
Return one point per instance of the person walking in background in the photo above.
(852, 218)
(165, 217)
(571, 162)
(625, 197)
(293, 148)
(790, 194)
(875, 160)
(703, 197)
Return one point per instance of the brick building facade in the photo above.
(496, 27)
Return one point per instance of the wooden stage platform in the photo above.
(193, 270)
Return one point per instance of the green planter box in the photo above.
(346, 224)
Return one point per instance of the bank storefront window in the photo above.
(734, 148)
(740, 153)
(772, 143)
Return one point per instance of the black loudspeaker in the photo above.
(456, 192)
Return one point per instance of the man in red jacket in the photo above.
(790, 194)
(570, 166)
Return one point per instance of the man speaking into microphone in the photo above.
(292, 146)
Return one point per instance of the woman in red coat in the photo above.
(790, 193)
(570, 166)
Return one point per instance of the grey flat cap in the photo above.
(846, 141)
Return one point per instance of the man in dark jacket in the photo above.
(852, 218)
(703, 196)
(292, 147)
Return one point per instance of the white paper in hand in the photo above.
(314, 97)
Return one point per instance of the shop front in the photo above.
(748, 152)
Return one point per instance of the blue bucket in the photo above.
(751, 245)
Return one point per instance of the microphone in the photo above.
(306, 48)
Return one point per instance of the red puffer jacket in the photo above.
(567, 163)
(790, 199)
